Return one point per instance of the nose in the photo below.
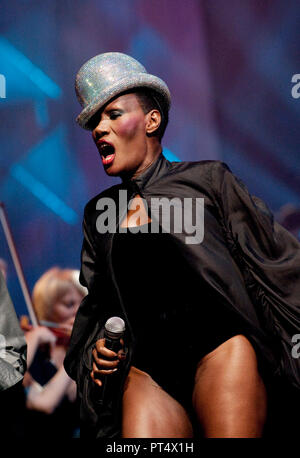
(101, 129)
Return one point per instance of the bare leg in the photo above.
(149, 412)
(229, 395)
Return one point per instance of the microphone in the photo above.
(114, 329)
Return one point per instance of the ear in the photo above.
(153, 120)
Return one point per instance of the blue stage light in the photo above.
(9, 53)
(170, 156)
(44, 194)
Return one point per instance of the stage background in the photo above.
(228, 64)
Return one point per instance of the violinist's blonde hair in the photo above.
(50, 287)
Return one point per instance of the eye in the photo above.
(69, 304)
(114, 115)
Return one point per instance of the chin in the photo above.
(117, 171)
(112, 172)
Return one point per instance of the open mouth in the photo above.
(107, 152)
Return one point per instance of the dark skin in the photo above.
(123, 123)
(229, 396)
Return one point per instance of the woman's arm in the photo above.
(48, 397)
(91, 278)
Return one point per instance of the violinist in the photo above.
(51, 394)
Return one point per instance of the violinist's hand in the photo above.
(67, 328)
(41, 335)
(37, 336)
(105, 361)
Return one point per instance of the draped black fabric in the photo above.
(249, 262)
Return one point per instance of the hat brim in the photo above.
(138, 80)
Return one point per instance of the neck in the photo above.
(154, 156)
(143, 169)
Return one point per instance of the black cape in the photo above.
(249, 260)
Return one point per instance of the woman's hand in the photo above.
(40, 335)
(37, 336)
(105, 361)
(44, 335)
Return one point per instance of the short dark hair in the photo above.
(150, 100)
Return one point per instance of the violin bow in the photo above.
(17, 264)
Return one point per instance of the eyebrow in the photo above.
(113, 109)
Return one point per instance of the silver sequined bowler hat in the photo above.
(107, 75)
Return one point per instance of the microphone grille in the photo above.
(115, 324)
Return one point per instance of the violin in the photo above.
(62, 334)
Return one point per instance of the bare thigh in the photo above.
(229, 394)
(149, 412)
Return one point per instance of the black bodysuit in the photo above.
(175, 319)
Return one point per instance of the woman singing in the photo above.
(210, 314)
